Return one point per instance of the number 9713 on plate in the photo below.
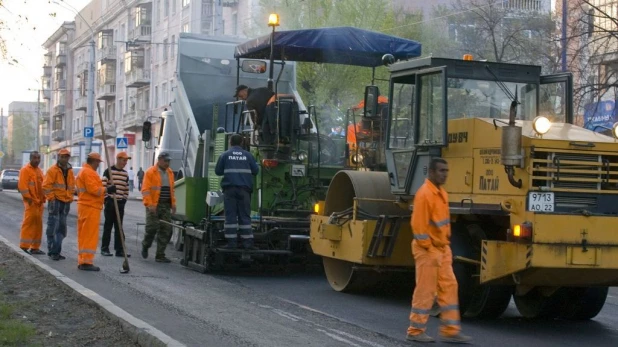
(541, 202)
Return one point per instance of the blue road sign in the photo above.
(122, 142)
(88, 131)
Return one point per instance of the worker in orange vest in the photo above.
(160, 201)
(433, 259)
(59, 187)
(91, 192)
(30, 185)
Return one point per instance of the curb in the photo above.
(142, 333)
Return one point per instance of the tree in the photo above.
(24, 132)
(334, 87)
(495, 31)
(592, 51)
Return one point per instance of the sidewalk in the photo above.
(135, 195)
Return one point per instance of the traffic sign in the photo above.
(122, 142)
(88, 131)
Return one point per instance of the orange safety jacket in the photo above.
(151, 187)
(30, 184)
(56, 186)
(90, 189)
(431, 221)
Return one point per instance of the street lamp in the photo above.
(273, 21)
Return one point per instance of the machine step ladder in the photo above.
(383, 237)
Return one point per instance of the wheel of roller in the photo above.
(342, 276)
(345, 186)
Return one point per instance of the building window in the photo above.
(165, 48)
(156, 96)
(185, 3)
(166, 8)
(158, 10)
(173, 48)
(164, 91)
(185, 28)
(173, 6)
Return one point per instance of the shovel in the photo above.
(125, 263)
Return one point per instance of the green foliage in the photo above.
(24, 132)
(12, 331)
(334, 87)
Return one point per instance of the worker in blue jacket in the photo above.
(237, 167)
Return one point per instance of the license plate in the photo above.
(541, 202)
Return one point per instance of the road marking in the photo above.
(353, 337)
(314, 310)
(338, 338)
(285, 314)
(321, 328)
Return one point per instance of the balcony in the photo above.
(229, 3)
(45, 116)
(106, 92)
(141, 33)
(133, 120)
(44, 140)
(61, 84)
(110, 131)
(61, 60)
(59, 110)
(81, 104)
(47, 70)
(58, 135)
(46, 94)
(137, 78)
(108, 54)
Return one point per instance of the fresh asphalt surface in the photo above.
(272, 309)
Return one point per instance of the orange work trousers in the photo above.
(434, 274)
(31, 226)
(88, 219)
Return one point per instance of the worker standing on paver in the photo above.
(91, 193)
(158, 197)
(30, 185)
(59, 188)
(237, 167)
(433, 259)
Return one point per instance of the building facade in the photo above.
(134, 67)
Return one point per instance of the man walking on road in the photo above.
(30, 185)
(59, 188)
(90, 192)
(431, 225)
(140, 178)
(121, 180)
(237, 167)
(158, 197)
(131, 177)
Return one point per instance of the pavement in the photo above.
(141, 332)
(269, 309)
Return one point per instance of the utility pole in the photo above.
(564, 34)
(37, 121)
(90, 99)
(218, 23)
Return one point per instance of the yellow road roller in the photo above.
(533, 198)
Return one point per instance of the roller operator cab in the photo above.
(533, 197)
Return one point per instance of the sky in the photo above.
(24, 40)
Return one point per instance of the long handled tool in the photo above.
(125, 264)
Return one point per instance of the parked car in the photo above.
(9, 178)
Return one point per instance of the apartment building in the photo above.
(56, 87)
(135, 62)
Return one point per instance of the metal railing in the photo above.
(58, 135)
